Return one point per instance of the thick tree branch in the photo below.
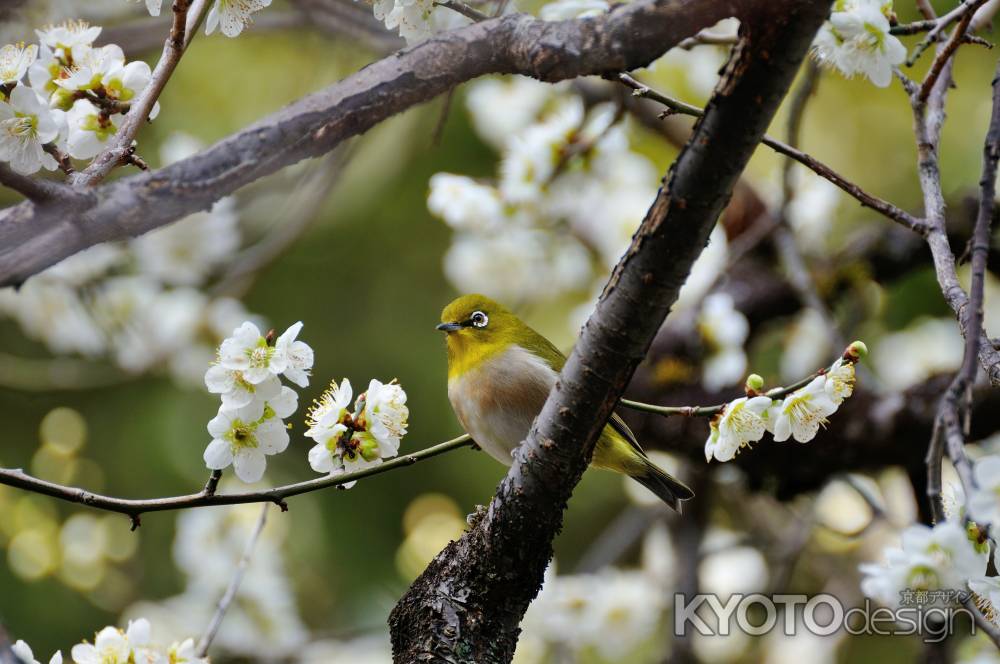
(951, 426)
(468, 603)
(35, 189)
(629, 36)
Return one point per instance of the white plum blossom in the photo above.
(115, 646)
(185, 253)
(856, 40)
(346, 442)
(531, 156)
(561, 10)
(465, 204)
(27, 124)
(244, 438)
(90, 68)
(839, 383)
(236, 391)
(232, 16)
(503, 107)
(15, 59)
(938, 558)
(385, 415)
(802, 412)
(984, 503)
(89, 129)
(68, 40)
(741, 422)
(297, 354)
(248, 351)
(183, 652)
(24, 653)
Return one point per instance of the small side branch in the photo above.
(38, 190)
(233, 587)
(463, 9)
(945, 54)
(207, 496)
(884, 207)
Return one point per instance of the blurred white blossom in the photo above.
(938, 558)
(724, 329)
(928, 347)
(24, 653)
(984, 503)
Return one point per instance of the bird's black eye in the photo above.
(479, 319)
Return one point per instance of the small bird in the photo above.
(500, 372)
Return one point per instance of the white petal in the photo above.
(249, 465)
(285, 403)
(218, 454)
(320, 459)
(138, 632)
(272, 436)
(782, 428)
(219, 379)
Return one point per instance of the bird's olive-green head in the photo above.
(479, 328)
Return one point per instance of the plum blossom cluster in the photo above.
(947, 556)
(64, 96)
(568, 195)
(250, 423)
(856, 40)
(798, 415)
(351, 439)
(140, 304)
(112, 645)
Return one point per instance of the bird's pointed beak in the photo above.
(449, 327)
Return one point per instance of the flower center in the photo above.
(241, 435)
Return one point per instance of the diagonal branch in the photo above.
(627, 37)
(468, 603)
(875, 203)
(120, 146)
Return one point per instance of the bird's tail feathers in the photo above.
(667, 488)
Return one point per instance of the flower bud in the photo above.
(856, 351)
(755, 383)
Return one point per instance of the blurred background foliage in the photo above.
(366, 278)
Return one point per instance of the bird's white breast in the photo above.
(498, 400)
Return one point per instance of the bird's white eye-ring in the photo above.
(479, 319)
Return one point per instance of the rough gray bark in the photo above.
(467, 605)
(34, 236)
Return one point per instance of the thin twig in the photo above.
(463, 9)
(234, 585)
(134, 508)
(710, 411)
(942, 24)
(118, 147)
(945, 54)
(707, 37)
(797, 272)
(34, 189)
(884, 207)
(926, 10)
(951, 426)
